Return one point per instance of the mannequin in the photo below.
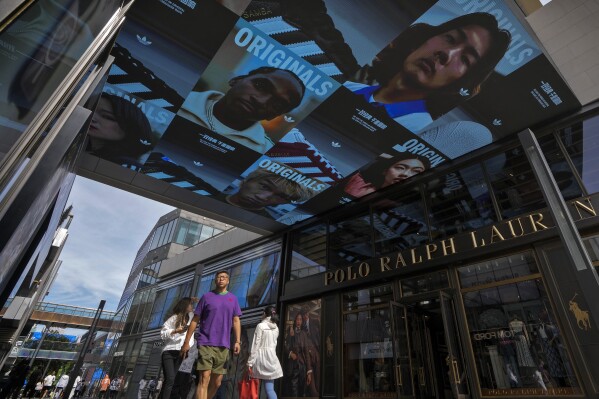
(522, 340)
(549, 338)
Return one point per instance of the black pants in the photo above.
(176, 385)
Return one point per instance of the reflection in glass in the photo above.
(514, 184)
(367, 343)
(399, 223)
(424, 283)
(496, 270)
(516, 341)
(253, 282)
(165, 300)
(40, 48)
(564, 177)
(460, 201)
(301, 365)
(350, 241)
(582, 143)
(309, 252)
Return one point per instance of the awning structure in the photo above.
(266, 113)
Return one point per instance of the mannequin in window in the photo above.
(549, 337)
(520, 334)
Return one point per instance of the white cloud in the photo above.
(108, 227)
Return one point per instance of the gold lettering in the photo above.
(385, 264)
(473, 236)
(430, 248)
(328, 276)
(450, 246)
(351, 275)
(514, 234)
(414, 260)
(339, 276)
(400, 261)
(588, 208)
(536, 223)
(364, 269)
(496, 233)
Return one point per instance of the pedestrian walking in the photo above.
(217, 312)
(263, 362)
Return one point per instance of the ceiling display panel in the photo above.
(287, 109)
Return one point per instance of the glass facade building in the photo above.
(476, 278)
(443, 287)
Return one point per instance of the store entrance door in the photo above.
(429, 354)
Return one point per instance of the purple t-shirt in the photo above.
(216, 314)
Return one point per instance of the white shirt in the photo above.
(49, 380)
(63, 381)
(198, 109)
(174, 341)
(263, 356)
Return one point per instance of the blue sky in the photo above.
(108, 227)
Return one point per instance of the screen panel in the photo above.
(287, 111)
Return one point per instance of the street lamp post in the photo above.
(83, 352)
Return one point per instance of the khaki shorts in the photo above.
(212, 358)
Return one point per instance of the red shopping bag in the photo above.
(249, 388)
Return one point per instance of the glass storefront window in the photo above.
(206, 284)
(515, 338)
(564, 177)
(254, 282)
(424, 284)
(582, 143)
(165, 300)
(302, 350)
(309, 252)
(368, 363)
(350, 241)
(459, 201)
(399, 223)
(514, 184)
(497, 270)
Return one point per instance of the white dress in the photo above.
(263, 356)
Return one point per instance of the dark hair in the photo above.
(267, 69)
(137, 130)
(271, 311)
(223, 271)
(374, 173)
(180, 310)
(299, 313)
(384, 66)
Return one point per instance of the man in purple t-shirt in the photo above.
(216, 312)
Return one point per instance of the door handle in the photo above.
(456, 372)
(398, 375)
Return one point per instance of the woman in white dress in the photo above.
(263, 362)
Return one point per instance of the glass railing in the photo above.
(72, 310)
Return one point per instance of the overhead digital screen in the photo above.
(288, 109)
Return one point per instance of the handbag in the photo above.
(249, 388)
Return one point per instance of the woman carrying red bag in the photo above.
(263, 363)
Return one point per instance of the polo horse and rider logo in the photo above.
(582, 316)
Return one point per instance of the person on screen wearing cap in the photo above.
(263, 94)
(429, 70)
(263, 188)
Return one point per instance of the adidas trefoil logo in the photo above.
(143, 40)
(196, 163)
(145, 142)
(335, 144)
(497, 122)
(288, 119)
(464, 92)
